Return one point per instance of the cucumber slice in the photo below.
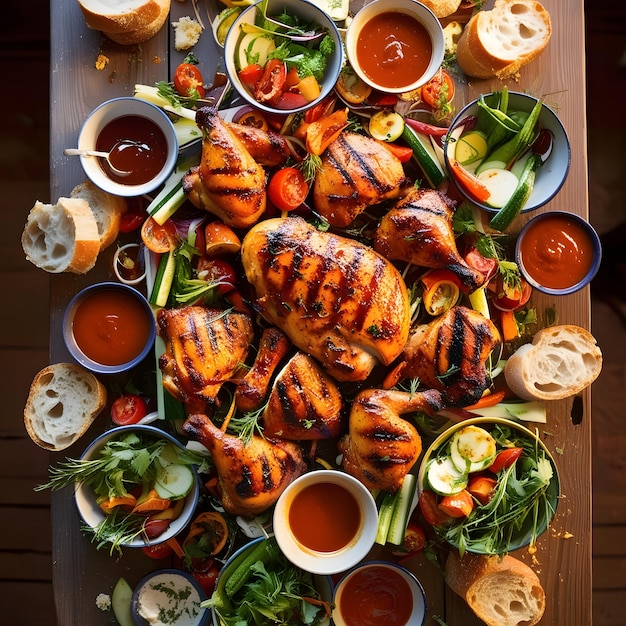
(501, 185)
(444, 477)
(471, 147)
(490, 165)
(168, 455)
(174, 481)
(472, 449)
(120, 603)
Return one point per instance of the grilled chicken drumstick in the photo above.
(335, 298)
(251, 476)
(381, 447)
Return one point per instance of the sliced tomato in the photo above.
(207, 579)
(251, 74)
(128, 409)
(430, 509)
(505, 458)
(487, 267)
(270, 85)
(511, 297)
(188, 81)
(159, 238)
(158, 551)
(133, 218)
(402, 153)
(219, 271)
(287, 189)
(439, 90)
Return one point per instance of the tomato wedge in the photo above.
(439, 90)
(251, 74)
(270, 85)
(188, 81)
(505, 459)
(287, 189)
(159, 238)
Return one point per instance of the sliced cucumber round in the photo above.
(169, 455)
(444, 477)
(174, 481)
(472, 449)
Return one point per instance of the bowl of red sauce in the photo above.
(558, 252)
(395, 45)
(109, 328)
(325, 522)
(140, 140)
(379, 592)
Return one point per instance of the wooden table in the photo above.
(563, 558)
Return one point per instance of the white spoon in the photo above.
(96, 153)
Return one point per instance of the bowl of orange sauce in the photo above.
(109, 327)
(379, 592)
(395, 45)
(558, 252)
(141, 142)
(325, 522)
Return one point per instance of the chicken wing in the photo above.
(356, 172)
(335, 298)
(304, 403)
(251, 476)
(204, 347)
(381, 447)
(450, 353)
(228, 182)
(418, 230)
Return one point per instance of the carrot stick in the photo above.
(510, 330)
(491, 399)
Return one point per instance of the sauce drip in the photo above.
(324, 517)
(135, 144)
(393, 49)
(376, 595)
(556, 252)
(110, 327)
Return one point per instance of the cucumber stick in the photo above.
(402, 509)
(424, 155)
(163, 280)
(385, 514)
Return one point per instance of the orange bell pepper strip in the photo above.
(309, 88)
(490, 399)
(321, 133)
(510, 329)
(458, 505)
(469, 182)
(482, 488)
(128, 501)
(151, 503)
(172, 512)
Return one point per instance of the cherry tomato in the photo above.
(439, 90)
(155, 527)
(287, 189)
(214, 269)
(402, 153)
(430, 509)
(414, 540)
(504, 459)
(158, 551)
(159, 238)
(207, 579)
(270, 85)
(511, 298)
(133, 218)
(128, 409)
(188, 81)
(251, 74)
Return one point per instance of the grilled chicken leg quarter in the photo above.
(335, 298)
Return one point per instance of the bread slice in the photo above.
(560, 362)
(442, 8)
(124, 16)
(499, 42)
(106, 208)
(502, 591)
(63, 401)
(62, 237)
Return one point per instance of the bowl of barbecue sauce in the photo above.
(395, 45)
(141, 143)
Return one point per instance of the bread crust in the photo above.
(46, 404)
(114, 16)
(507, 582)
(560, 362)
(442, 8)
(482, 54)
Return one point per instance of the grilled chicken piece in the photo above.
(357, 172)
(204, 347)
(449, 354)
(381, 447)
(335, 298)
(304, 404)
(228, 182)
(265, 146)
(251, 476)
(418, 230)
(253, 387)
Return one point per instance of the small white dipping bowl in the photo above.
(411, 9)
(106, 113)
(386, 585)
(341, 558)
(92, 514)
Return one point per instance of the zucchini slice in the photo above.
(444, 477)
(472, 449)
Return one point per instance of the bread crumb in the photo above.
(103, 602)
(567, 535)
(187, 32)
(102, 61)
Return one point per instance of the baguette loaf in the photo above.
(442, 8)
(502, 591)
(560, 362)
(499, 42)
(106, 208)
(62, 237)
(63, 401)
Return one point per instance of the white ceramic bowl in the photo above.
(412, 9)
(112, 110)
(339, 559)
(379, 586)
(303, 9)
(551, 175)
(92, 514)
